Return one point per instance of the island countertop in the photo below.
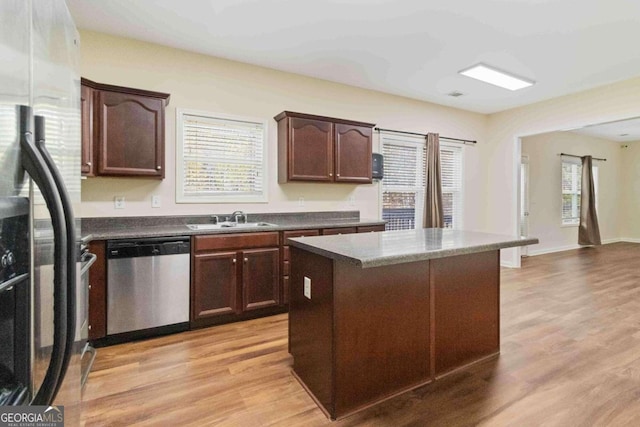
(395, 247)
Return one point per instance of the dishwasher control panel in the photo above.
(147, 247)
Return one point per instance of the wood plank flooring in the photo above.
(570, 356)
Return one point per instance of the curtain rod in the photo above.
(573, 155)
(461, 141)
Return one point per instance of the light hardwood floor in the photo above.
(570, 356)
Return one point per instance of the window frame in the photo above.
(419, 188)
(180, 170)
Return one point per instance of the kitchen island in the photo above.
(374, 315)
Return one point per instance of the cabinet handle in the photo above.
(89, 327)
(246, 260)
(233, 260)
(88, 163)
(337, 174)
(158, 167)
(330, 174)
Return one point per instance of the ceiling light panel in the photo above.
(496, 77)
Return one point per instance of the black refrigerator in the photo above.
(42, 307)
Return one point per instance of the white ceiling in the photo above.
(620, 131)
(412, 48)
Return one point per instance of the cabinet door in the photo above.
(310, 150)
(260, 279)
(353, 153)
(213, 285)
(86, 108)
(130, 134)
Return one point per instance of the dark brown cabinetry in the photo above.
(98, 291)
(123, 131)
(286, 266)
(214, 284)
(234, 277)
(323, 149)
(371, 228)
(340, 230)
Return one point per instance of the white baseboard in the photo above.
(630, 240)
(507, 264)
(576, 246)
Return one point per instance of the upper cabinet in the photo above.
(323, 149)
(123, 131)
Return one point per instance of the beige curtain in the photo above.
(433, 213)
(588, 232)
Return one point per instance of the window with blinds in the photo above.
(451, 175)
(571, 188)
(220, 159)
(404, 181)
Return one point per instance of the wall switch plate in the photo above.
(307, 287)
(300, 201)
(118, 202)
(352, 200)
(155, 201)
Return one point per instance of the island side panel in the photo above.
(311, 324)
(382, 344)
(466, 309)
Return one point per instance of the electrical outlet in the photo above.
(352, 200)
(301, 201)
(118, 202)
(307, 287)
(155, 201)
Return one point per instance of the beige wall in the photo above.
(545, 195)
(212, 84)
(217, 85)
(607, 103)
(630, 201)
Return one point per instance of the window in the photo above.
(404, 181)
(220, 159)
(571, 187)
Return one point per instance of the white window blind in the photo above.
(404, 182)
(451, 174)
(571, 188)
(220, 159)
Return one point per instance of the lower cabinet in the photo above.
(234, 277)
(260, 279)
(214, 284)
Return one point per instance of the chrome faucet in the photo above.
(239, 217)
(214, 219)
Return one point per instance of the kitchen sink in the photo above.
(228, 224)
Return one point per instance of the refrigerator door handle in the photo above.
(70, 253)
(35, 165)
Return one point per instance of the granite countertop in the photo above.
(143, 227)
(395, 247)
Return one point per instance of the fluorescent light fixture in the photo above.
(496, 77)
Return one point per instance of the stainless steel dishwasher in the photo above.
(147, 285)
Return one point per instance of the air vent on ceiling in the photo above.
(455, 94)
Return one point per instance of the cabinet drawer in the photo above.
(235, 241)
(341, 230)
(298, 233)
(371, 228)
